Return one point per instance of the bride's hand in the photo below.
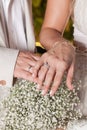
(52, 65)
(24, 64)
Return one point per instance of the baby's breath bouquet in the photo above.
(27, 109)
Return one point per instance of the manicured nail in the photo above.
(51, 93)
(38, 86)
(71, 87)
(43, 92)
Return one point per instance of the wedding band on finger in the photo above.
(30, 68)
(46, 65)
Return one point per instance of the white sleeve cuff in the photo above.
(7, 62)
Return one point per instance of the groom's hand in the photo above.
(24, 64)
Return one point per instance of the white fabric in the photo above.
(80, 34)
(7, 63)
(21, 35)
(77, 125)
(18, 24)
(5, 5)
(80, 21)
(2, 41)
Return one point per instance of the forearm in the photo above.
(49, 37)
(53, 41)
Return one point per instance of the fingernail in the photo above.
(51, 93)
(71, 87)
(43, 92)
(38, 86)
(35, 80)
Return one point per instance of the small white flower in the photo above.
(27, 109)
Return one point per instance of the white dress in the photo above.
(80, 35)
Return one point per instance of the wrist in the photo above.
(65, 43)
(48, 36)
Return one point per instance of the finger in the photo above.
(24, 74)
(23, 66)
(56, 82)
(23, 60)
(32, 63)
(36, 57)
(48, 81)
(36, 68)
(24, 54)
(70, 77)
(28, 55)
(41, 75)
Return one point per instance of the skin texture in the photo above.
(60, 55)
(24, 64)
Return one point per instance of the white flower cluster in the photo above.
(77, 125)
(27, 109)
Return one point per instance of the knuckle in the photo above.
(62, 65)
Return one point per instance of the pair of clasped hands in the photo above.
(47, 70)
